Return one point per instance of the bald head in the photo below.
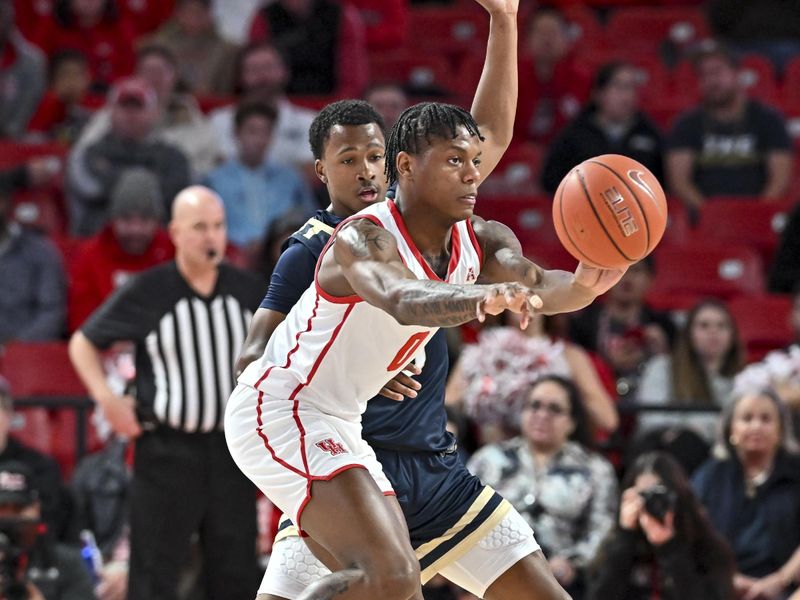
(198, 227)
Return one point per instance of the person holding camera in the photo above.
(32, 565)
(663, 543)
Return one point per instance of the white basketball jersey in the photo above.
(334, 354)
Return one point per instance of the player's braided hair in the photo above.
(422, 122)
(343, 112)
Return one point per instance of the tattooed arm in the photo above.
(366, 262)
(560, 291)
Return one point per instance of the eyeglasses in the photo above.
(551, 408)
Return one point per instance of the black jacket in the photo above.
(583, 138)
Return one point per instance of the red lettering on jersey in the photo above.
(331, 447)
(404, 355)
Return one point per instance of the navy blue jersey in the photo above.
(415, 424)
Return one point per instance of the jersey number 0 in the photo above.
(404, 355)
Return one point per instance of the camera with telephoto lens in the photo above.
(658, 501)
(12, 577)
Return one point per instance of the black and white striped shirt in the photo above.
(186, 344)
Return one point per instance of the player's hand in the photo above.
(509, 296)
(121, 414)
(500, 6)
(597, 280)
(402, 386)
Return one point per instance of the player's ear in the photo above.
(319, 169)
(405, 165)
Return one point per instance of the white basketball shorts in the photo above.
(283, 447)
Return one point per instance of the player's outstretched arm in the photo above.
(560, 291)
(495, 102)
(370, 267)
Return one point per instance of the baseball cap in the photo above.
(15, 483)
(133, 92)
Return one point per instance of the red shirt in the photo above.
(99, 265)
(108, 46)
(52, 111)
(544, 107)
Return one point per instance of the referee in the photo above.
(188, 319)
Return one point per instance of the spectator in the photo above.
(255, 190)
(38, 568)
(179, 120)
(490, 379)
(187, 319)
(552, 84)
(32, 282)
(698, 372)
(324, 41)
(95, 28)
(205, 60)
(68, 104)
(128, 143)
(275, 239)
(567, 493)
(262, 75)
(624, 331)
(22, 76)
(751, 489)
(132, 241)
(663, 544)
(44, 472)
(730, 145)
(101, 492)
(389, 99)
(386, 23)
(784, 275)
(234, 17)
(770, 27)
(611, 123)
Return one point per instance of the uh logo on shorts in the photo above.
(331, 446)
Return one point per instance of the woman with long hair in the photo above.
(663, 542)
(751, 488)
(564, 490)
(699, 372)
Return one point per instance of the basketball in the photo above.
(610, 211)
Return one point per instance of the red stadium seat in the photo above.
(517, 173)
(448, 31)
(31, 426)
(707, 269)
(763, 323)
(757, 75)
(530, 217)
(418, 71)
(40, 369)
(753, 223)
(644, 28)
(678, 229)
(14, 153)
(791, 82)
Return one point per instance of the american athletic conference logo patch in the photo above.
(332, 447)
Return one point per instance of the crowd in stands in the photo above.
(648, 457)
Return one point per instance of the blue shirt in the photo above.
(414, 424)
(255, 198)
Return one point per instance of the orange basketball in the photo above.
(610, 211)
